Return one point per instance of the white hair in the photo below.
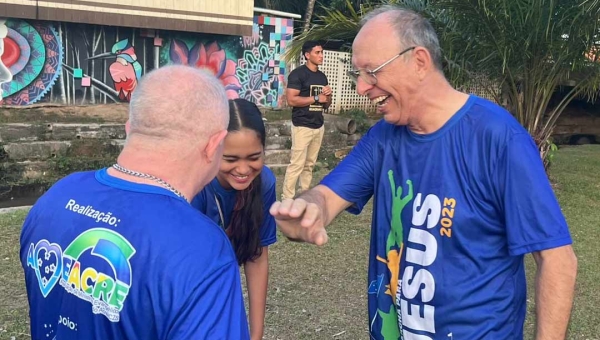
(180, 104)
(411, 28)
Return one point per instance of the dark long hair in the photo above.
(247, 216)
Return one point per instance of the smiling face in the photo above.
(243, 159)
(397, 82)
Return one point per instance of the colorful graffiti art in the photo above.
(58, 63)
(32, 54)
(102, 64)
(212, 58)
(249, 67)
(262, 61)
(125, 71)
(74, 64)
(256, 71)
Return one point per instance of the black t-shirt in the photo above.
(310, 84)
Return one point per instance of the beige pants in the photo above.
(306, 143)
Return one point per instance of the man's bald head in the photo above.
(177, 105)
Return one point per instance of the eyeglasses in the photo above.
(368, 76)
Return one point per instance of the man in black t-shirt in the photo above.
(308, 93)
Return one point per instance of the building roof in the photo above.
(230, 17)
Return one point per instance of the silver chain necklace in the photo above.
(143, 175)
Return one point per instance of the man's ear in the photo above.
(423, 61)
(213, 149)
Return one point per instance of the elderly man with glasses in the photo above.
(460, 195)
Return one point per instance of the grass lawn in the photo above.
(320, 293)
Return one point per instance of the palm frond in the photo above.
(334, 25)
(528, 48)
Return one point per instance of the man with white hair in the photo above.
(460, 196)
(120, 253)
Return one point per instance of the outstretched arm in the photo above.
(304, 218)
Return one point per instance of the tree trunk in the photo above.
(310, 7)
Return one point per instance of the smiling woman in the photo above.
(239, 198)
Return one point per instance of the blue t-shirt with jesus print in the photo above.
(454, 213)
(105, 258)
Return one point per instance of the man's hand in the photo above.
(323, 99)
(300, 221)
(327, 90)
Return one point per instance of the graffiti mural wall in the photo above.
(77, 64)
(249, 67)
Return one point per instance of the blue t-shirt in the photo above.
(454, 212)
(105, 258)
(205, 202)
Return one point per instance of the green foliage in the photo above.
(327, 158)
(360, 118)
(84, 155)
(530, 48)
(552, 149)
(526, 48)
(335, 24)
(63, 166)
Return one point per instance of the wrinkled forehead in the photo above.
(373, 44)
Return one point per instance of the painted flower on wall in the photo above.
(212, 58)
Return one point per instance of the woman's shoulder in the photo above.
(268, 181)
(199, 201)
(268, 177)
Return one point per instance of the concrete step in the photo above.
(278, 142)
(85, 131)
(43, 170)
(278, 169)
(15, 132)
(283, 128)
(120, 143)
(277, 156)
(25, 170)
(51, 149)
(36, 150)
(277, 166)
(22, 132)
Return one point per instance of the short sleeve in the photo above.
(294, 81)
(268, 230)
(533, 218)
(353, 178)
(214, 309)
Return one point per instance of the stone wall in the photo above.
(33, 155)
